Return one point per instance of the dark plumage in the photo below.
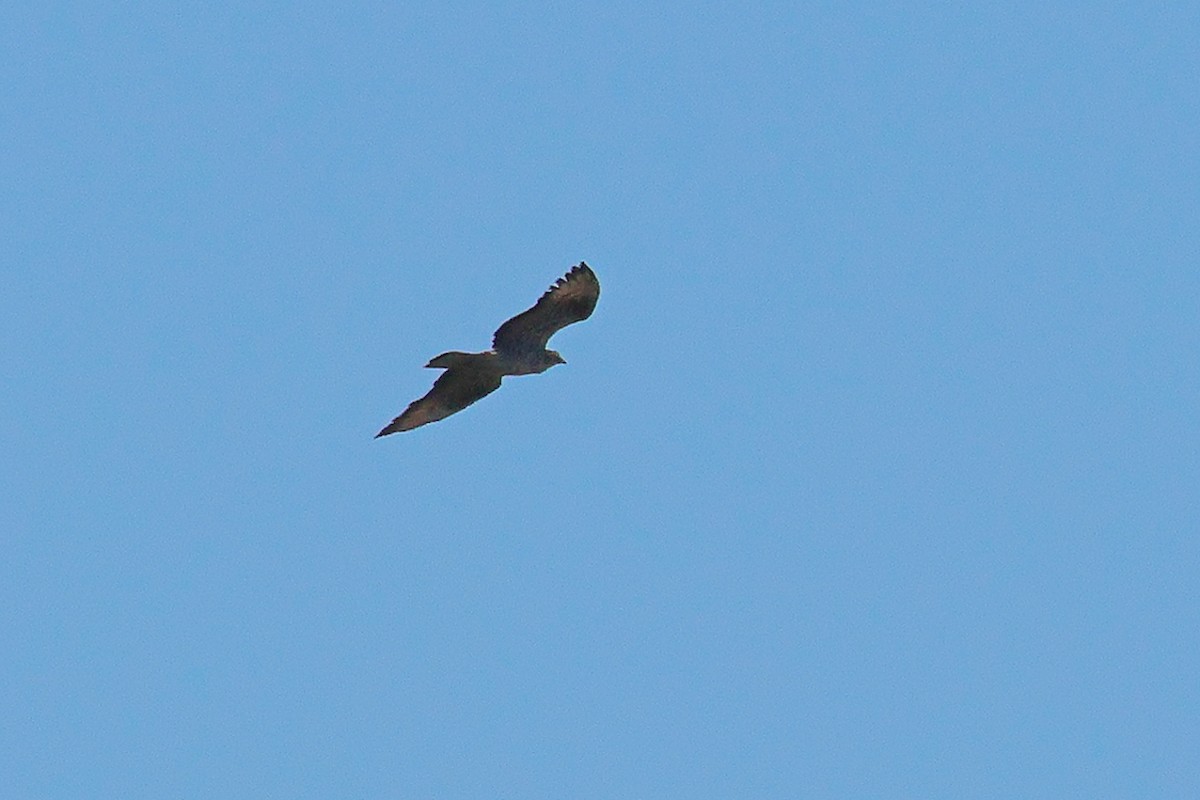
(518, 348)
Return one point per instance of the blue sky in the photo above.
(874, 474)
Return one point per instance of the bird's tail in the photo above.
(448, 360)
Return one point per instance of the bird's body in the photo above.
(518, 348)
(502, 363)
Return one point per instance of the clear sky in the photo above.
(874, 474)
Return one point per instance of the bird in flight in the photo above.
(518, 348)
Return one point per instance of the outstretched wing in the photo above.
(456, 389)
(570, 299)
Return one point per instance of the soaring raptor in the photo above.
(518, 348)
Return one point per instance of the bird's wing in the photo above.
(570, 299)
(456, 389)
